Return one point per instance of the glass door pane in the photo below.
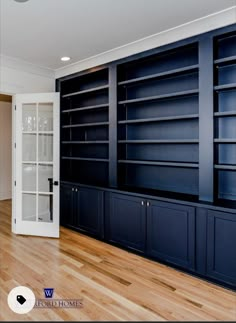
(29, 207)
(29, 177)
(45, 117)
(29, 117)
(29, 147)
(37, 162)
(45, 208)
(45, 147)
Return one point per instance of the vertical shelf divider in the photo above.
(206, 120)
(113, 126)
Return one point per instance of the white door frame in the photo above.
(13, 156)
(16, 178)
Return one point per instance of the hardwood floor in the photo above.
(112, 284)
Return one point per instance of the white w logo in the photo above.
(48, 292)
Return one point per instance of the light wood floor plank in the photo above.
(112, 284)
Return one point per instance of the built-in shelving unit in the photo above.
(225, 116)
(148, 154)
(158, 121)
(84, 128)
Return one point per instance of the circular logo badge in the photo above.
(21, 300)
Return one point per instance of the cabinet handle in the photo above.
(148, 203)
(142, 203)
(73, 189)
(76, 190)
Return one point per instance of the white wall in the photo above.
(193, 28)
(21, 77)
(5, 150)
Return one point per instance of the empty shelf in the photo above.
(225, 60)
(173, 72)
(93, 124)
(94, 89)
(86, 159)
(225, 141)
(91, 142)
(92, 107)
(182, 117)
(152, 141)
(225, 87)
(156, 163)
(160, 97)
(225, 167)
(225, 114)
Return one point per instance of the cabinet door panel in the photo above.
(90, 210)
(171, 233)
(67, 216)
(127, 221)
(221, 246)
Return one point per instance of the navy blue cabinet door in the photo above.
(221, 246)
(126, 222)
(171, 233)
(67, 214)
(89, 206)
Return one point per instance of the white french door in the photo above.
(36, 164)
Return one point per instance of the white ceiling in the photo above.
(41, 31)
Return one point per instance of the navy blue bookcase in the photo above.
(148, 154)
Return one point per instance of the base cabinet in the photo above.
(126, 222)
(161, 230)
(221, 246)
(90, 211)
(171, 233)
(197, 239)
(82, 209)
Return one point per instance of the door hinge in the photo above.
(15, 107)
(15, 145)
(15, 183)
(15, 221)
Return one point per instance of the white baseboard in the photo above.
(5, 195)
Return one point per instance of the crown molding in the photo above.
(23, 66)
(214, 21)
